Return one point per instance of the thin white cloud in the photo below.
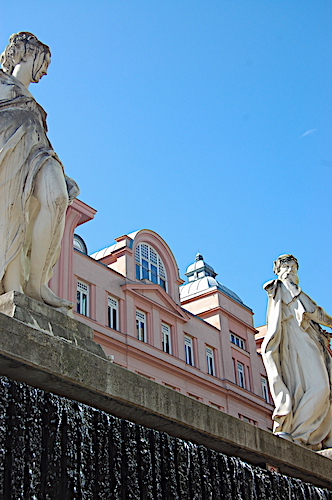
(309, 132)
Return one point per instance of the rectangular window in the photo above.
(193, 396)
(82, 295)
(237, 341)
(247, 419)
(188, 349)
(240, 375)
(166, 338)
(113, 313)
(141, 325)
(217, 407)
(210, 360)
(265, 389)
(171, 387)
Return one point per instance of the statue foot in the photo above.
(53, 300)
(33, 292)
(46, 295)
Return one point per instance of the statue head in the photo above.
(286, 266)
(21, 46)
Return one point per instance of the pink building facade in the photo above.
(195, 337)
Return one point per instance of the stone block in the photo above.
(48, 320)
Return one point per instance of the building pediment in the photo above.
(156, 296)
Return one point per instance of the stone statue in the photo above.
(34, 191)
(297, 360)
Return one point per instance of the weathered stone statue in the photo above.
(297, 360)
(34, 191)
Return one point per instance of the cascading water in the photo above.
(55, 448)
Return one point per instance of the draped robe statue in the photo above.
(34, 191)
(297, 360)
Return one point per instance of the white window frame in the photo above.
(265, 389)
(241, 375)
(112, 312)
(82, 298)
(189, 350)
(237, 341)
(210, 361)
(141, 325)
(166, 338)
(149, 265)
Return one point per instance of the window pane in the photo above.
(210, 360)
(265, 389)
(145, 269)
(153, 256)
(137, 253)
(166, 338)
(78, 297)
(188, 351)
(138, 272)
(240, 372)
(84, 304)
(141, 326)
(145, 250)
(142, 331)
(154, 277)
(166, 344)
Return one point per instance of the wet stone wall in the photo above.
(55, 448)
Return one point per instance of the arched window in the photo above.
(79, 244)
(149, 265)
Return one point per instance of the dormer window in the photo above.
(149, 265)
(79, 244)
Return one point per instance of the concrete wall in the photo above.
(68, 367)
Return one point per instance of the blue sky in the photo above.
(208, 122)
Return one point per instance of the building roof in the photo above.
(201, 278)
(104, 252)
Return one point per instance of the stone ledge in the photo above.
(46, 319)
(68, 369)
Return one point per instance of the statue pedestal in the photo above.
(326, 453)
(48, 350)
(48, 320)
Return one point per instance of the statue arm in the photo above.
(320, 316)
(271, 288)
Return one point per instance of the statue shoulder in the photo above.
(10, 87)
(6, 79)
